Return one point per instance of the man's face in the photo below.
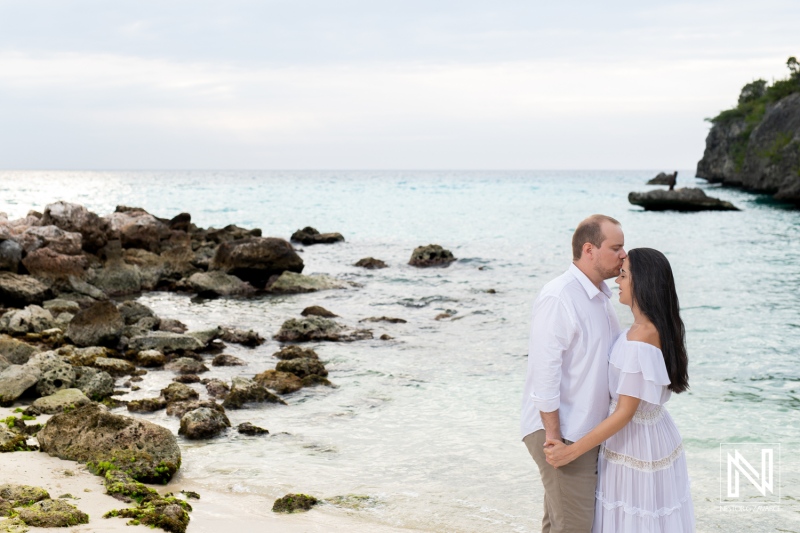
(607, 260)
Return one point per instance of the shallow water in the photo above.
(427, 424)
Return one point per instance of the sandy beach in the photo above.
(213, 512)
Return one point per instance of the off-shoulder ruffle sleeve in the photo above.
(643, 373)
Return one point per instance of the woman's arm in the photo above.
(559, 454)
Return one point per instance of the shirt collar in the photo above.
(586, 283)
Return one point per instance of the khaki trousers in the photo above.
(568, 490)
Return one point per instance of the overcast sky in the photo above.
(377, 84)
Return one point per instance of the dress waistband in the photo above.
(649, 417)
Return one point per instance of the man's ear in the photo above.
(588, 249)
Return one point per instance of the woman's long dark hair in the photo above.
(655, 296)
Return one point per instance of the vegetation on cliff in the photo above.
(756, 145)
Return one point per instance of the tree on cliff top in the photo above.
(757, 94)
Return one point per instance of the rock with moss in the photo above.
(293, 351)
(13, 525)
(106, 441)
(302, 367)
(60, 401)
(178, 392)
(216, 387)
(186, 365)
(313, 328)
(280, 382)
(293, 503)
(179, 409)
(11, 441)
(150, 358)
(203, 423)
(123, 487)
(168, 513)
(22, 494)
(53, 513)
(245, 391)
(114, 367)
(147, 405)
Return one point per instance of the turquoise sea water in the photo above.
(427, 424)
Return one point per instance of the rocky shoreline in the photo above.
(71, 339)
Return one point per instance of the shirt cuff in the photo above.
(546, 405)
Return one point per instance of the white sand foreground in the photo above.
(213, 513)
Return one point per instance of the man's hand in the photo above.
(557, 453)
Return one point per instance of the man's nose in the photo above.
(623, 253)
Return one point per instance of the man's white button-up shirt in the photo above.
(573, 328)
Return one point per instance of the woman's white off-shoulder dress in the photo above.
(643, 481)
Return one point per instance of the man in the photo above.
(566, 388)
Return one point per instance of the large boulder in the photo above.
(684, 199)
(132, 311)
(430, 256)
(203, 423)
(256, 259)
(165, 342)
(292, 283)
(99, 325)
(76, 218)
(15, 380)
(309, 236)
(19, 291)
(178, 392)
(90, 434)
(56, 376)
(216, 283)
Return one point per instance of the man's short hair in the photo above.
(590, 230)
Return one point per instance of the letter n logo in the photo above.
(743, 480)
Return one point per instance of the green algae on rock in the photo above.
(13, 525)
(122, 487)
(53, 513)
(168, 513)
(11, 441)
(292, 503)
(22, 494)
(106, 441)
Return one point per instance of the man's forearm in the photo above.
(552, 425)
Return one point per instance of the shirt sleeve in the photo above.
(643, 373)
(552, 331)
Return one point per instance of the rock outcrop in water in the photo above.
(756, 145)
(686, 199)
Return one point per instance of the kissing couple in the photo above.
(593, 418)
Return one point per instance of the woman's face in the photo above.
(624, 282)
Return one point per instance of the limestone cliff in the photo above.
(756, 145)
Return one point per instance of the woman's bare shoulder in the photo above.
(646, 333)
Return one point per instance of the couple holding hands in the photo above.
(593, 418)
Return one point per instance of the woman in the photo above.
(642, 483)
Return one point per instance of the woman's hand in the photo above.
(557, 453)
